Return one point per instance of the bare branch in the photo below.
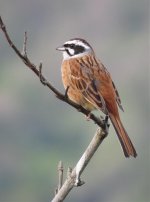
(37, 70)
(60, 173)
(74, 178)
(69, 171)
(56, 191)
(24, 51)
(60, 176)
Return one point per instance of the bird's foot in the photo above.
(106, 123)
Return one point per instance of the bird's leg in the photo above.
(106, 119)
(106, 123)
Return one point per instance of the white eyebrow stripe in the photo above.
(77, 42)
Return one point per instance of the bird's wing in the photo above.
(118, 100)
(84, 77)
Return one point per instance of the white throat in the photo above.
(67, 57)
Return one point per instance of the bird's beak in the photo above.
(60, 48)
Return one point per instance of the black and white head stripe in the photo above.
(78, 42)
(75, 48)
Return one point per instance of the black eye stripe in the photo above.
(77, 49)
(69, 45)
(66, 45)
(72, 46)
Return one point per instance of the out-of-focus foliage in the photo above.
(37, 130)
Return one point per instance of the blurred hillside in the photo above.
(37, 130)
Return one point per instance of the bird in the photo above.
(89, 84)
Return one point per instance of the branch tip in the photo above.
(24, 51)
(40, 68)
(60, 166)
(60, 174)
(69, 171)
(2, 26)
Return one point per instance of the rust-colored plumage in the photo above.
(91, 86)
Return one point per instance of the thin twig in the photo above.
(60, 174)
(69, 171)
(56, 191)
(24, 51)
(43, 80)
(74, 178)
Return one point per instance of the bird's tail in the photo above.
(125, 141)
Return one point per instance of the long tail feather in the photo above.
(125, 141)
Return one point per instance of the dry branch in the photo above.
(73, 178)
(38, 71)
(60, 173)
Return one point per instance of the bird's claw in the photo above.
(106, 123)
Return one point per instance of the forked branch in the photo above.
(73, 179)
(37, 69)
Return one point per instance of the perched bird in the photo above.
(90, 85)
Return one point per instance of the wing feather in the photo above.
(118, 100)
(82, 76)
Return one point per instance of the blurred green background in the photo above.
(37, 130)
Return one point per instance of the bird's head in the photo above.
(76, 47)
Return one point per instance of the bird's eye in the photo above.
(72, 45)
(65, 45)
